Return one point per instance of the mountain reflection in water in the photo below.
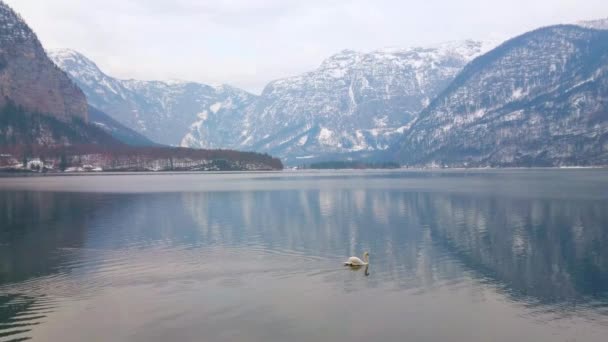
(540, 254)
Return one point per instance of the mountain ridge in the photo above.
(399, 102)
(535, 100)
(232, 118)
(598, 24)
(164, 111)
(356, 101)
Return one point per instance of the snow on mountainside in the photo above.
(220, 124)
(539, 99)
(354, 101)
(599, 24)
(117, 130)
(167, 112)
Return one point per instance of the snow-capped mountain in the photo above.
(173, 113)
(354, 101)
(538, 99)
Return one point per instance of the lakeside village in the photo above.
(154, 160)
(10, 163)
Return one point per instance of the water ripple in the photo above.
(250, 259)
(20, 314)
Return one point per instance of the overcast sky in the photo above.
(247, 43)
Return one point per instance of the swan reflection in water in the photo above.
(357, 268)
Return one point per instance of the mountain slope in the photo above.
(166, 112)
(354, 101)
(19, 127)
(538, 99)
(28, 78)
(117, 130)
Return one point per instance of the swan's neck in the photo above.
(366, 258)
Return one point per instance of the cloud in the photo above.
(247, 43)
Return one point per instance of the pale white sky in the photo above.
(247, 43)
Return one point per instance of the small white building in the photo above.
(35, 164)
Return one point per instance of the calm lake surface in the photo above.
(501, 255)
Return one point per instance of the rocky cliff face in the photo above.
(28, 78)
(538, 99)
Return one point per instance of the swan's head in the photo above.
(366, 256)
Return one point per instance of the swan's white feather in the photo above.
(354, 261)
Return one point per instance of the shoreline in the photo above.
(26, 174)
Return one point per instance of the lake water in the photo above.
(507, 255)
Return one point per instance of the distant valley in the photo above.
(353, 103)
(536, 100)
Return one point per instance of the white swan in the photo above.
(354, 261)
